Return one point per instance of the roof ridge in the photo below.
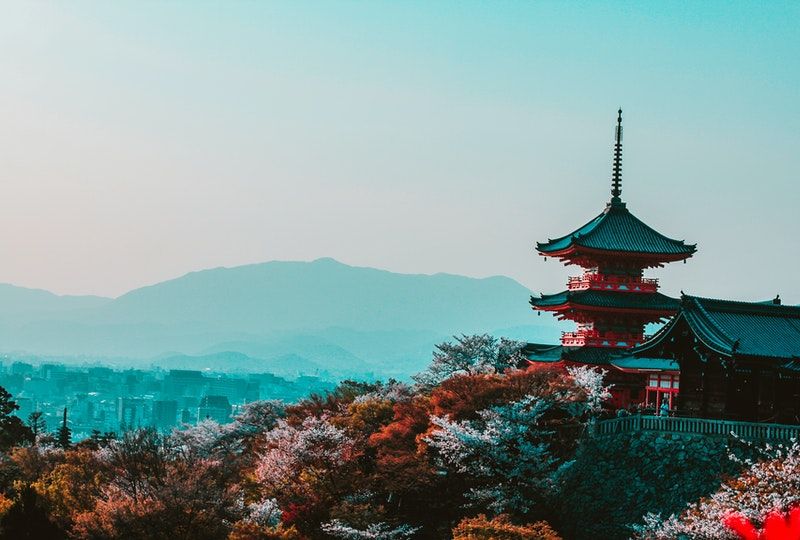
(778, 310)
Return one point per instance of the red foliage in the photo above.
(399, 463)
(460, 397)
(777, 526)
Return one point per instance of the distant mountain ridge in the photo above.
(346, 318)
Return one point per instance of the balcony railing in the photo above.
(594, 338)
(698, 426)
(603, 282)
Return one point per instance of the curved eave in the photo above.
(576, 250)
(698, 331)
(567, 306)
(707, 332)
(657, 338)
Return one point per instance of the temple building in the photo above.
(611, 302)
(737, 360)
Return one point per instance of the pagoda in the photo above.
(611, 302)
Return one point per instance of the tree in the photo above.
(501, 528)
(505, 454)
(64, 434)
(471, 355)
(37, 424)
(259, 416)
(72, 487)
(12, 430)
(158, 490)
(376, 531)
(764, 487)
(512, 453)
(28, 519)
(307, 468)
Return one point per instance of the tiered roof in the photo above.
(606, 300)
(617, 230)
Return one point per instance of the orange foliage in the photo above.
(5, 504)
(247, 530)
(71, 487)
(364, 417)
(501, 528)
(399, 461)
(460, 397)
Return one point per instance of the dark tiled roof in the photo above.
(729, 327)
(607, 299)
(616, 229)
(537, 352)
(645, 364)
(591, 355)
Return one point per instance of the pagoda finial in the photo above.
(616, 177)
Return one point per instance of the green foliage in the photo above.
(616, 479)
(12, 430)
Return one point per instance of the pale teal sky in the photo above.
(142, 140)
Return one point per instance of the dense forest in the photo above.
(476, 448)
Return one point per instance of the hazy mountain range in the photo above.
(285, 317)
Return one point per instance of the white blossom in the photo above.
(205, 439)
(471, 355)
(375, 531)
(316, 445)
(762, 487)
(393, 392)
(506, 451)
(590, 382)
(266, 513)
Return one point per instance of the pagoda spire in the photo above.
(616, 177)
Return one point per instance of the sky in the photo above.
(143, 140)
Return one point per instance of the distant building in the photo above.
(216, 408)
(131, 412)
(165, 413)
(184, 382)
(21, 368)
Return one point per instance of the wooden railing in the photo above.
(698, 426)
(610, 282)
(594, 338)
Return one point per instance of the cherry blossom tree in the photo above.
(763, 488)
(376, 531)
(505, 452)
(471, 355)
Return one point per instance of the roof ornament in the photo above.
(777, 300)
(616, 183)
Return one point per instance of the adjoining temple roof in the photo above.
(630, 363)
(618, 230)
(539, 352)
(728, 327)
(606, 299)
(597, 356)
